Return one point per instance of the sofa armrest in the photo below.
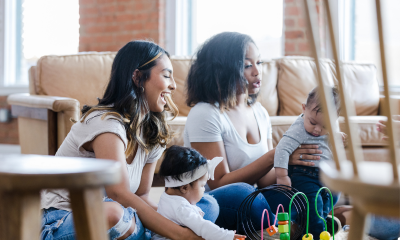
(395, 100)
(56, 104)
(51, 114)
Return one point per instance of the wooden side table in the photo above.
(23, 176)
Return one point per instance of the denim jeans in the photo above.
(384, 228)
(306, 180)
(229, 198)
(58, 224)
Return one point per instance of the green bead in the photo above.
(284, 236)
(283, 216)
(283, 228)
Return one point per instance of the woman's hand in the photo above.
(381, 126)
(304, 152)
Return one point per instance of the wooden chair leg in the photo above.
(19, 215)
(87, 210)
(357, 224)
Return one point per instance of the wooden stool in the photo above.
(373, 186)
(23, 176)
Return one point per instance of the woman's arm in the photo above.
(222, 176)
(110, 146)
(256, 170)
(145, 184)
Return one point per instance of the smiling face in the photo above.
(253, 68)
(313, 121)
(160, 84)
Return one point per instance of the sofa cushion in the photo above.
(181, 67)
(297, 76)
(369, 136)
(362, 83)
(268, 96)
(81, 76)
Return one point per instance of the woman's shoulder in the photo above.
(96, 123)
(204, 110)
(203, 106)
(260, 109)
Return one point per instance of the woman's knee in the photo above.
(119, 220)
(114, 213)
(211, 202)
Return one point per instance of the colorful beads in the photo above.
(283, 228)
(283, 216)
(310, 237)
(284, 236)
(272, 230)
(325, 236)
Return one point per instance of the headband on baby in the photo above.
(199, 172)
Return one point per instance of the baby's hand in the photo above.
(284, 180)
(344, 138)
(238, 237)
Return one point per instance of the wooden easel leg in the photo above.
(19, 215)
(357, 224)
(89, 218)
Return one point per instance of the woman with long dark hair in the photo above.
(127, 125)
(226, 120)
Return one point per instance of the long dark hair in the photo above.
(124, 101)
(217, 71)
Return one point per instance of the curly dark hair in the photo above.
(217, 71)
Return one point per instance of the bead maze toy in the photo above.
(284, 219)
(245, 224)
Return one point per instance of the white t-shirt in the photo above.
(82, 133)
(206, 123)
(181, 212)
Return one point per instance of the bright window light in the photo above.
(261, 19)
(49, 27)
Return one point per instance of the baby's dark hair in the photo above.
(179, 160)
(314, 97)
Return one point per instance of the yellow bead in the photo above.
(324, 236)
(310, 237)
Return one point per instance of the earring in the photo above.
(142, 88)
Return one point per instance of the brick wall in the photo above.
(8, 131)
(295, 25)
(107, 25)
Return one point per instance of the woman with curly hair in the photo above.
(227, 121)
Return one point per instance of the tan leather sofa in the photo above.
(60, 85)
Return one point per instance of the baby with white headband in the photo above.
(186, 173)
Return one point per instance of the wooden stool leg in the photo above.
(89, 218)
(357, 224)
(20, 215)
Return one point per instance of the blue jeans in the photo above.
(229, 198)
(384, 228)
(306, 180)
(58, 224)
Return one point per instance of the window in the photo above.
(34, 28)
(360, 31)
(193, 22)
